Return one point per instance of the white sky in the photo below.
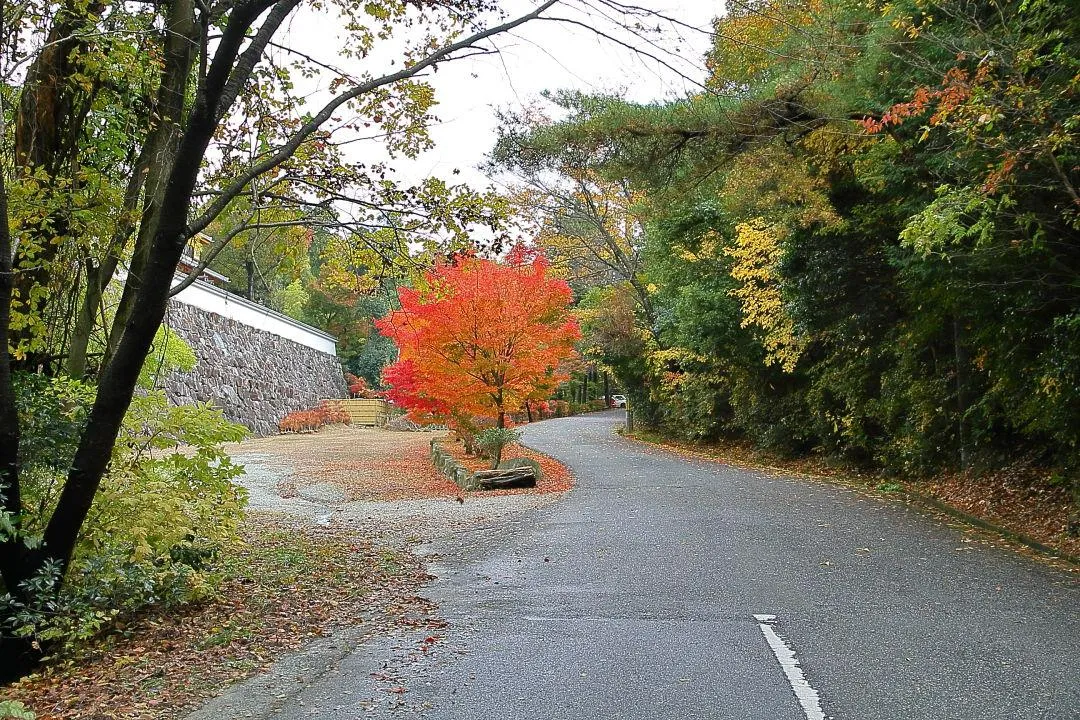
(540, 55)
(549, 56)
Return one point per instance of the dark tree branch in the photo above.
(286, 151)
(239, 75)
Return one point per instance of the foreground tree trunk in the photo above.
(120, 374)
(48, 125)
(175, 150)
(99, 275)
(16, 654)
(9, 419)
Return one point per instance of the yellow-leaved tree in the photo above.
(756, 254)
(590, 228)
(772, 193)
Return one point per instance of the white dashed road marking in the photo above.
(806, 695)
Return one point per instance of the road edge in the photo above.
(920, 501)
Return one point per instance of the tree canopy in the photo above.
(862, 238)
(480, 337)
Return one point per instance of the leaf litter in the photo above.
(286, 583)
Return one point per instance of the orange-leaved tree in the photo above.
(479, 337)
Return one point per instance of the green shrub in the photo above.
(164, 508)
(168, 353)
(52, 412)
(492, 441)
(13, 710)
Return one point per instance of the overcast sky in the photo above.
(550, 56)
(544, 55)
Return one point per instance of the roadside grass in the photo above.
(1016, 505)
(282, 586)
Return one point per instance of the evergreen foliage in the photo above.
(862, 240)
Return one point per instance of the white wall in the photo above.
(212, 299)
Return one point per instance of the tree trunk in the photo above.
(9, 419)
(607, 390)
(961, 356)
(17, 655)
(48, 124)
(159, 157)
(147, 289)
(99, 276)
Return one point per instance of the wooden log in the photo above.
(507, 478)
(523, 462)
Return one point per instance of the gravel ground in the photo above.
(315, 478)
(379, 481)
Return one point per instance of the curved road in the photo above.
(645, 593)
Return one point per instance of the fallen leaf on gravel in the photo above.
(289, 584)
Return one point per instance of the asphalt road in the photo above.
(635, 596)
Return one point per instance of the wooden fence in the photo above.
(363, 411)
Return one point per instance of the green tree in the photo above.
(188, 76)
(863, 238)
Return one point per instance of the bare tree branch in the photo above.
(286, 150)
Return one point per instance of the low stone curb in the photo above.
(446, 464)
(917, 498)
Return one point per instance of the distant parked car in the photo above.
(618, 401)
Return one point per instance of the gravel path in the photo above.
(318, 476)
(312, 478)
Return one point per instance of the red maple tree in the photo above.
(479, 338)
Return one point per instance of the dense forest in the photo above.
(860, 238)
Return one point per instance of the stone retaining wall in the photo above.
(446, 464)
(254, 376)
